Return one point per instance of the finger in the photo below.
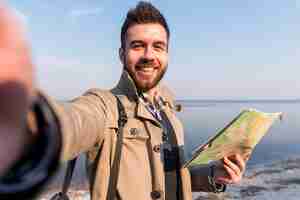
(11, 29)
(226, 178)
(232, 176)
(239, 161)
(15, 62)
(232, 166)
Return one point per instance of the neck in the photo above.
(152, 93)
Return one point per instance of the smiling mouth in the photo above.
(146, 70)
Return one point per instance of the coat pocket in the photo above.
(135, 130)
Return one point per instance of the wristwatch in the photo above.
(214, 187)
(36, 166)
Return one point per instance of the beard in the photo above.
(145, 86)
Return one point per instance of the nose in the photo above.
(149, 53)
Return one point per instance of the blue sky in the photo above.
(219, 49)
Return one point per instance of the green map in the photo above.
(240, 136)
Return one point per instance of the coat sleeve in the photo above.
(199, 178)
(82, 121)
(200, 181)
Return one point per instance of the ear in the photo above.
(121, 55)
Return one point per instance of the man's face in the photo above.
(145, 55)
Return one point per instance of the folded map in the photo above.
(240, 136)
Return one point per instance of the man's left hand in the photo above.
(230, 170)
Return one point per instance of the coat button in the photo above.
(155, 194)
(134, 131)
(156, 148)
(164, 137)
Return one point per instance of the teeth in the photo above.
(147, 69)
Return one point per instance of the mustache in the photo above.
(144, 63)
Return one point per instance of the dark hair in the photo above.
(143, 13)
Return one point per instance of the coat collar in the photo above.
(127, 87)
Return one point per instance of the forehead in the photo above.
(147, 33)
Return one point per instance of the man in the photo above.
(151, 159)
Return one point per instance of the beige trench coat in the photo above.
(89, 125)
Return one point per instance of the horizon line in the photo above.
(240, 100)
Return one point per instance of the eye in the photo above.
(136, 45)
(160, 47)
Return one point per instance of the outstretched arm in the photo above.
(31, 149)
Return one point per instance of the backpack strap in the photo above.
(68, 176)
(114, 174)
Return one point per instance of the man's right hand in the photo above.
(16, 88)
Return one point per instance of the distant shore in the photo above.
(211, 102)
